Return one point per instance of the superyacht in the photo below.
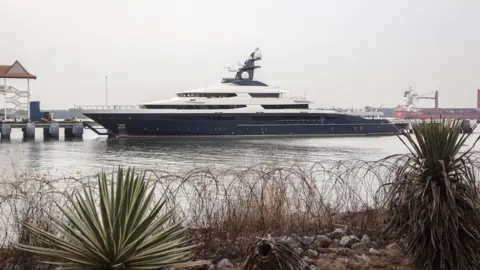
(239, 106)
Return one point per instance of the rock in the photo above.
(321, 241)
(360, 247)
(299, 251)
(335, 243)
(337, 234)
(344, 252)
(312, 253)
(366, 240)
(362, 257)
(307, 261)
(392, 246)
(314, 267)
(373, 251)
(307, 240)
(295, 237)
(327, 256)
(225, 264)
(305, 266)
(212, 267)
(359, 262)
(348, 241)
(294, 243)
(374, 245)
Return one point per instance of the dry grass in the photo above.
(225, 209)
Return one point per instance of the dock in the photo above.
(50, 129)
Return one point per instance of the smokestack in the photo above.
(436, 99)
(478, 98)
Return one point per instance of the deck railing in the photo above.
(105, 107)
(294, 97)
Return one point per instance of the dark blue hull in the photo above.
(253, 124)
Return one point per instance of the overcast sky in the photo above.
(340, 53)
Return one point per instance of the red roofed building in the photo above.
(11, 95)
(15, 71)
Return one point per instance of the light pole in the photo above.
(106, 91)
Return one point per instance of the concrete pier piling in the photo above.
(49, 129)
(29, 131)
(53, 131)
(68, 132)
(75, 131)
(78, 130)
(6, 130)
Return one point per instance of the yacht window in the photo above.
(202, 117)
(264, 95)
(193, 107)
(291, 118)
(286, 106)
(208, 95)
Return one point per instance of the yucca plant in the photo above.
(432, 200)
(124, 230)
(271, 254)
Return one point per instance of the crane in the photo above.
(411, 97)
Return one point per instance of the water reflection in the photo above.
(90, 154)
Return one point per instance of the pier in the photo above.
(50, 130)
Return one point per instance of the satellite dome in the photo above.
(245, 75)
(258, 54)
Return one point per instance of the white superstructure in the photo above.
(227, 97)
(241, 94)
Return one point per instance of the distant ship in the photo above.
(410, 111)
(239, 106)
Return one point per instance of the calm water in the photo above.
(89, 155)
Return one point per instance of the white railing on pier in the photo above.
(105, 107)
